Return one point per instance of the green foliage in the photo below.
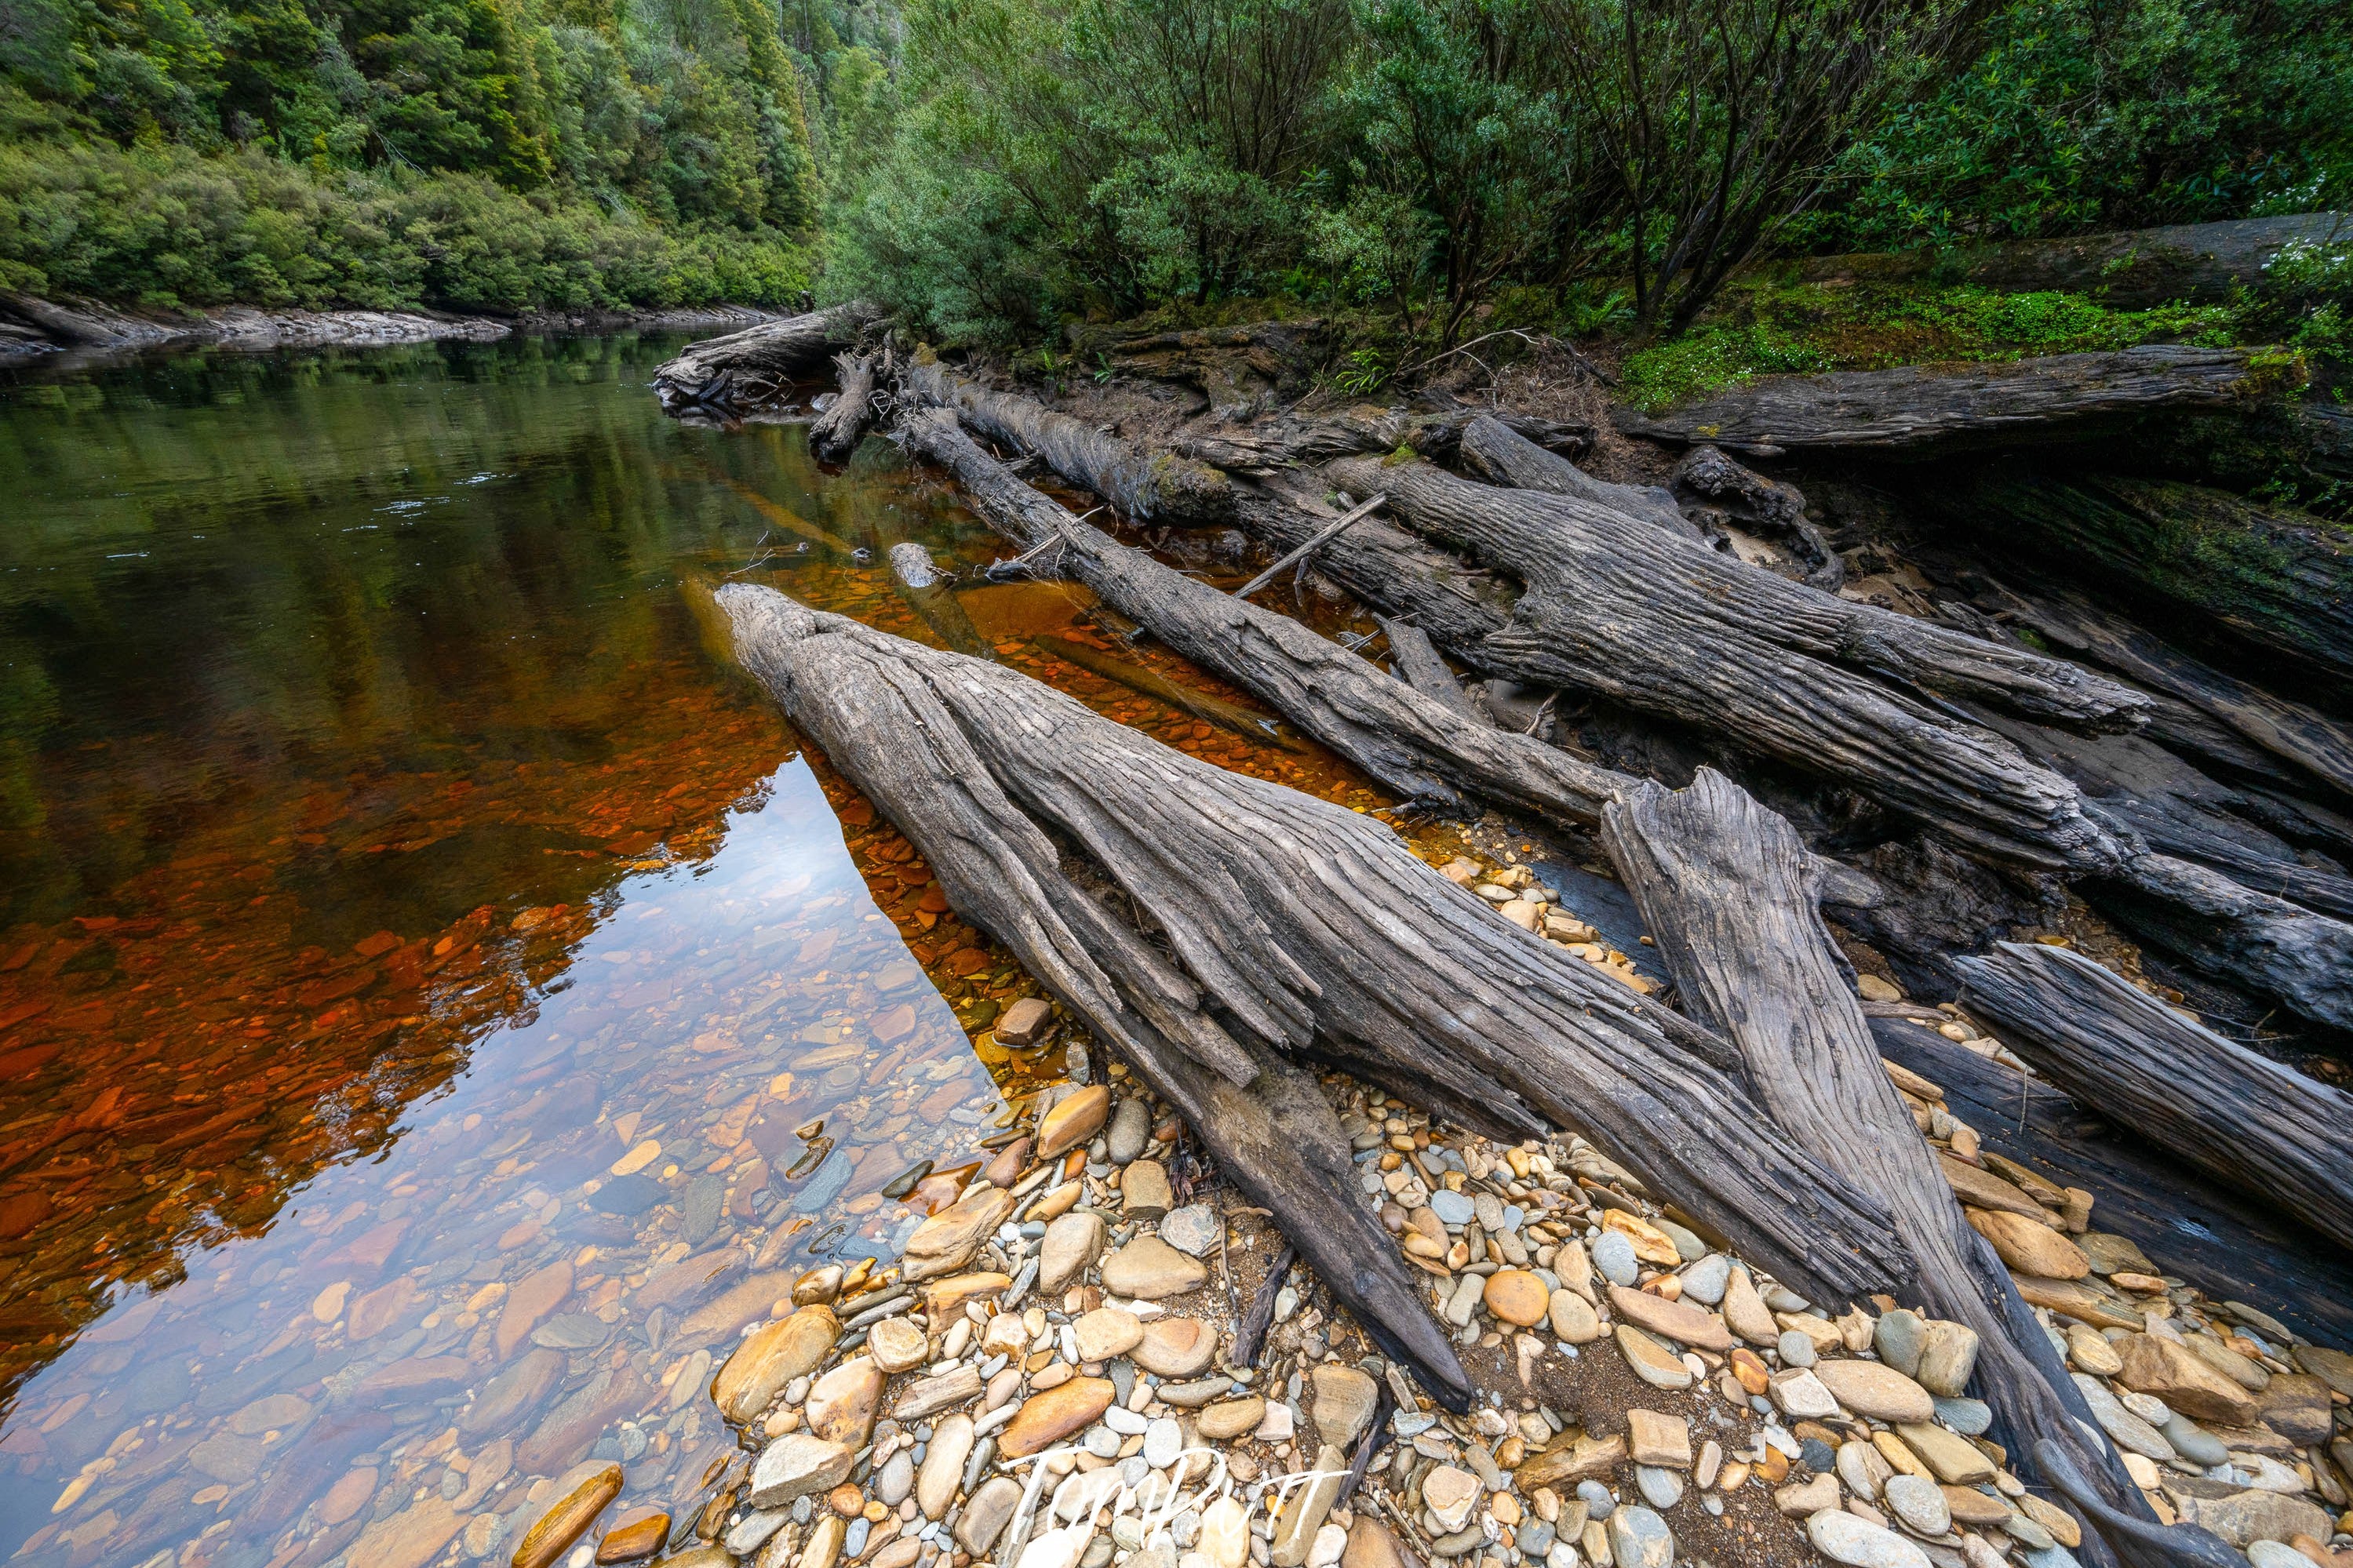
(476, 154)
(172, 228)
(2081, 114)
(1767, 329)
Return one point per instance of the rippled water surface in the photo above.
(440, 1006)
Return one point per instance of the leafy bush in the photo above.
(171, 227)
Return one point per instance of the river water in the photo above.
(441, 1006)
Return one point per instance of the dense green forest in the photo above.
(989, 168)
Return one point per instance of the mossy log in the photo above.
(1666, 625)
(1213, 928)
(1729, 893)
(732, 375)
(2246, 1120)
(1920, 409)
(2270, 581)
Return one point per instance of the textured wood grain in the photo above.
(836, 430)
(2242, 1118)
(742, 370)
(1283, 926)
(1919, 408)
(1502, 456)
(1729, 894)
(1417, 746)
(1669, 627)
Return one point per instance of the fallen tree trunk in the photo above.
(2321, 746)
(1729, 894)
(2244, 1119)
(2272, 579)
(1296, 927)
(927, 594)
(1669, 627)
(1414, 659)
(2239, 935)
(836, 432)
(1918, 409)
(1502, 456)
(1418, 746)
(735, 373)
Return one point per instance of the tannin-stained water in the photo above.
(441, 1006)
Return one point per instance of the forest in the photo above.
(989, 169)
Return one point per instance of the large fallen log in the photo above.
(1668, 627)
(1268, 921)
(2317, 745)
(2270, 579)
(1502, 456)
(2244, 1119)
(735, 373)
(1418, 746)
(1918, 409)
(2239, 935)
(1729, 893)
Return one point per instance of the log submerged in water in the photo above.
(734, 374)
(1668, 627)
(2246, 1120)
(1421, 747)
(1922, 408)
(1297, 927)
(1730, 895)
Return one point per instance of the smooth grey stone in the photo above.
(1969, 1417)
(2193, 1442)
(854, 1543)
(1660, 1486)
(1596, 1498)
(1453, 1210)
(1613, 1255)
(1535, 1537)
(1898, 1338)
(1641, 1539)
(1705, 1281)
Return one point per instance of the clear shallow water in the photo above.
(439, 1006)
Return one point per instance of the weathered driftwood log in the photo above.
(835, 433)
(1923, 408)
(2238, 934)
(1296, 926)
(1267, 445)
(1418, 746)
(2244, 1119)
(1414, 659)
(1145, 487)
(742, 370)
(1502, 456)
(1717, 493)
(1233, 367)
(2270, 579)
(2317, 745)
(1729, 894)
(1666, 625)
(930, 595)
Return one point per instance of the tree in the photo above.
(1720, 121)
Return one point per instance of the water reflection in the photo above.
(368, 796)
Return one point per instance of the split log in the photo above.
(1918, 409)
(1730, 896)
(1414, 659)
(734, 374)
(1668, 627)
(836, 432)
(1417, 746)
(2242, 1118)
(2238, 934)
(2271, 580)
(2321, 746)
(1502, 456)
(1281, 925)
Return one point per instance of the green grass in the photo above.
(1769, 328)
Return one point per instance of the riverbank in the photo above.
(76, 332)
